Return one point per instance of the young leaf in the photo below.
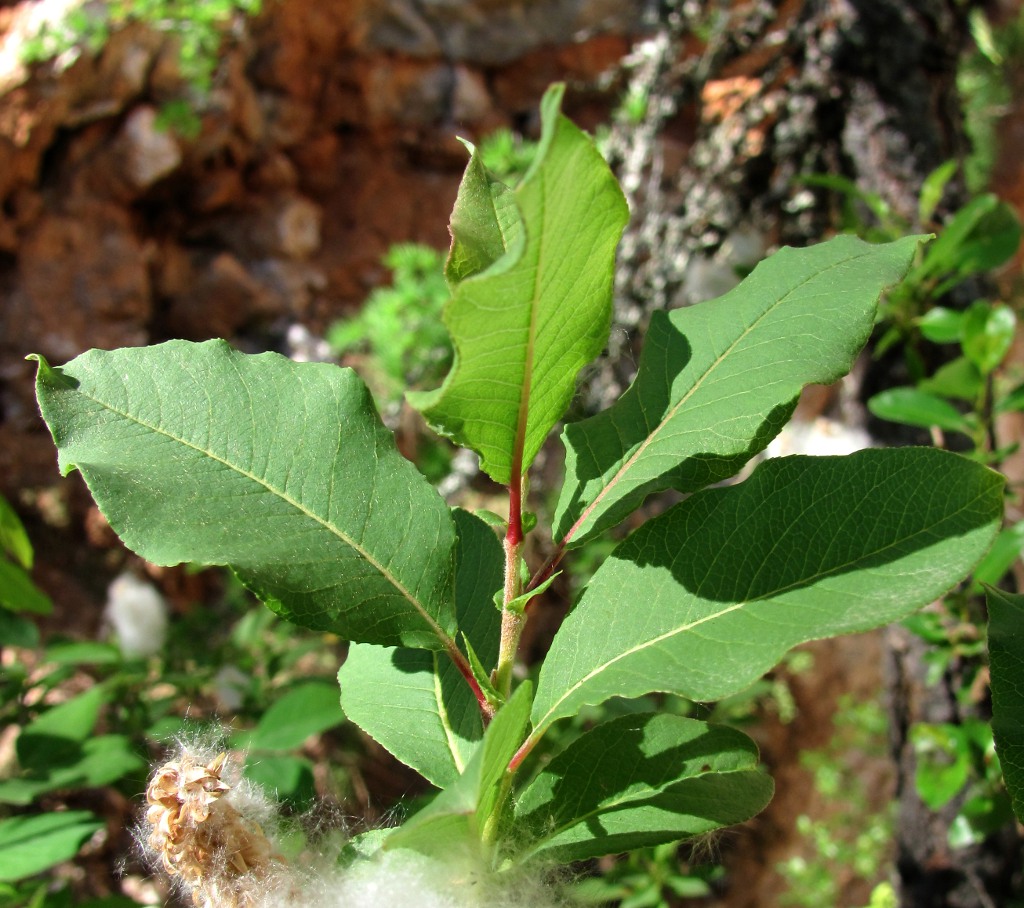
(282, 470)
(705, 598)
(526, 325)
(485, 223)
(430, 719)
(933, 188)
(1006, 658)
(641, 780)
(718, 381)
(457, 816)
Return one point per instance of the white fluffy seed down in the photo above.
(209, 836)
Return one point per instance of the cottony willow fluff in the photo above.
(208, 835)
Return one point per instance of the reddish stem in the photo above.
(462, 664)
(514, 535)
(521, 754)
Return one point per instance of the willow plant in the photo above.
(284, 472)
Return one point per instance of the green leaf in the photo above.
(705, 598)
(918, 408)
(13, 538)
(717, 381)
(641, 780)
(981, 236)
(988, 334)
(1014, 400)
(518, 605)
(82, 652)
(282, 470)
(933, 188)
(526, 325)
(430, 719)
(39, 744)
(32, 844)
(68, 765)
(1004, 552)
(941, 325)
(305, 710)
(457, 816)
(19, 593)
(943, 758)
(959, 379)
(485, 222)
(17, 631)
(1006, 662)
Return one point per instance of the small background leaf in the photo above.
(287, 778)
(32, 844)
(19, 593)
(917, 408)
(13, 538)
(304, 710)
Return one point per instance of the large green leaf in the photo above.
(641, 780)
(705, 598)
(282, 470)
(1006, 660)
(430, 719)
(717, 381)
(30, 845)
(524, 326)
(457, 817)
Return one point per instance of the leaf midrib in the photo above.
(432, 625)
(700, 381)
(445, 719)
(523, 416)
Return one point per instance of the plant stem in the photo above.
(521, 754)
(512, 622)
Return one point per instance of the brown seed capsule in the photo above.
(201, 839)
